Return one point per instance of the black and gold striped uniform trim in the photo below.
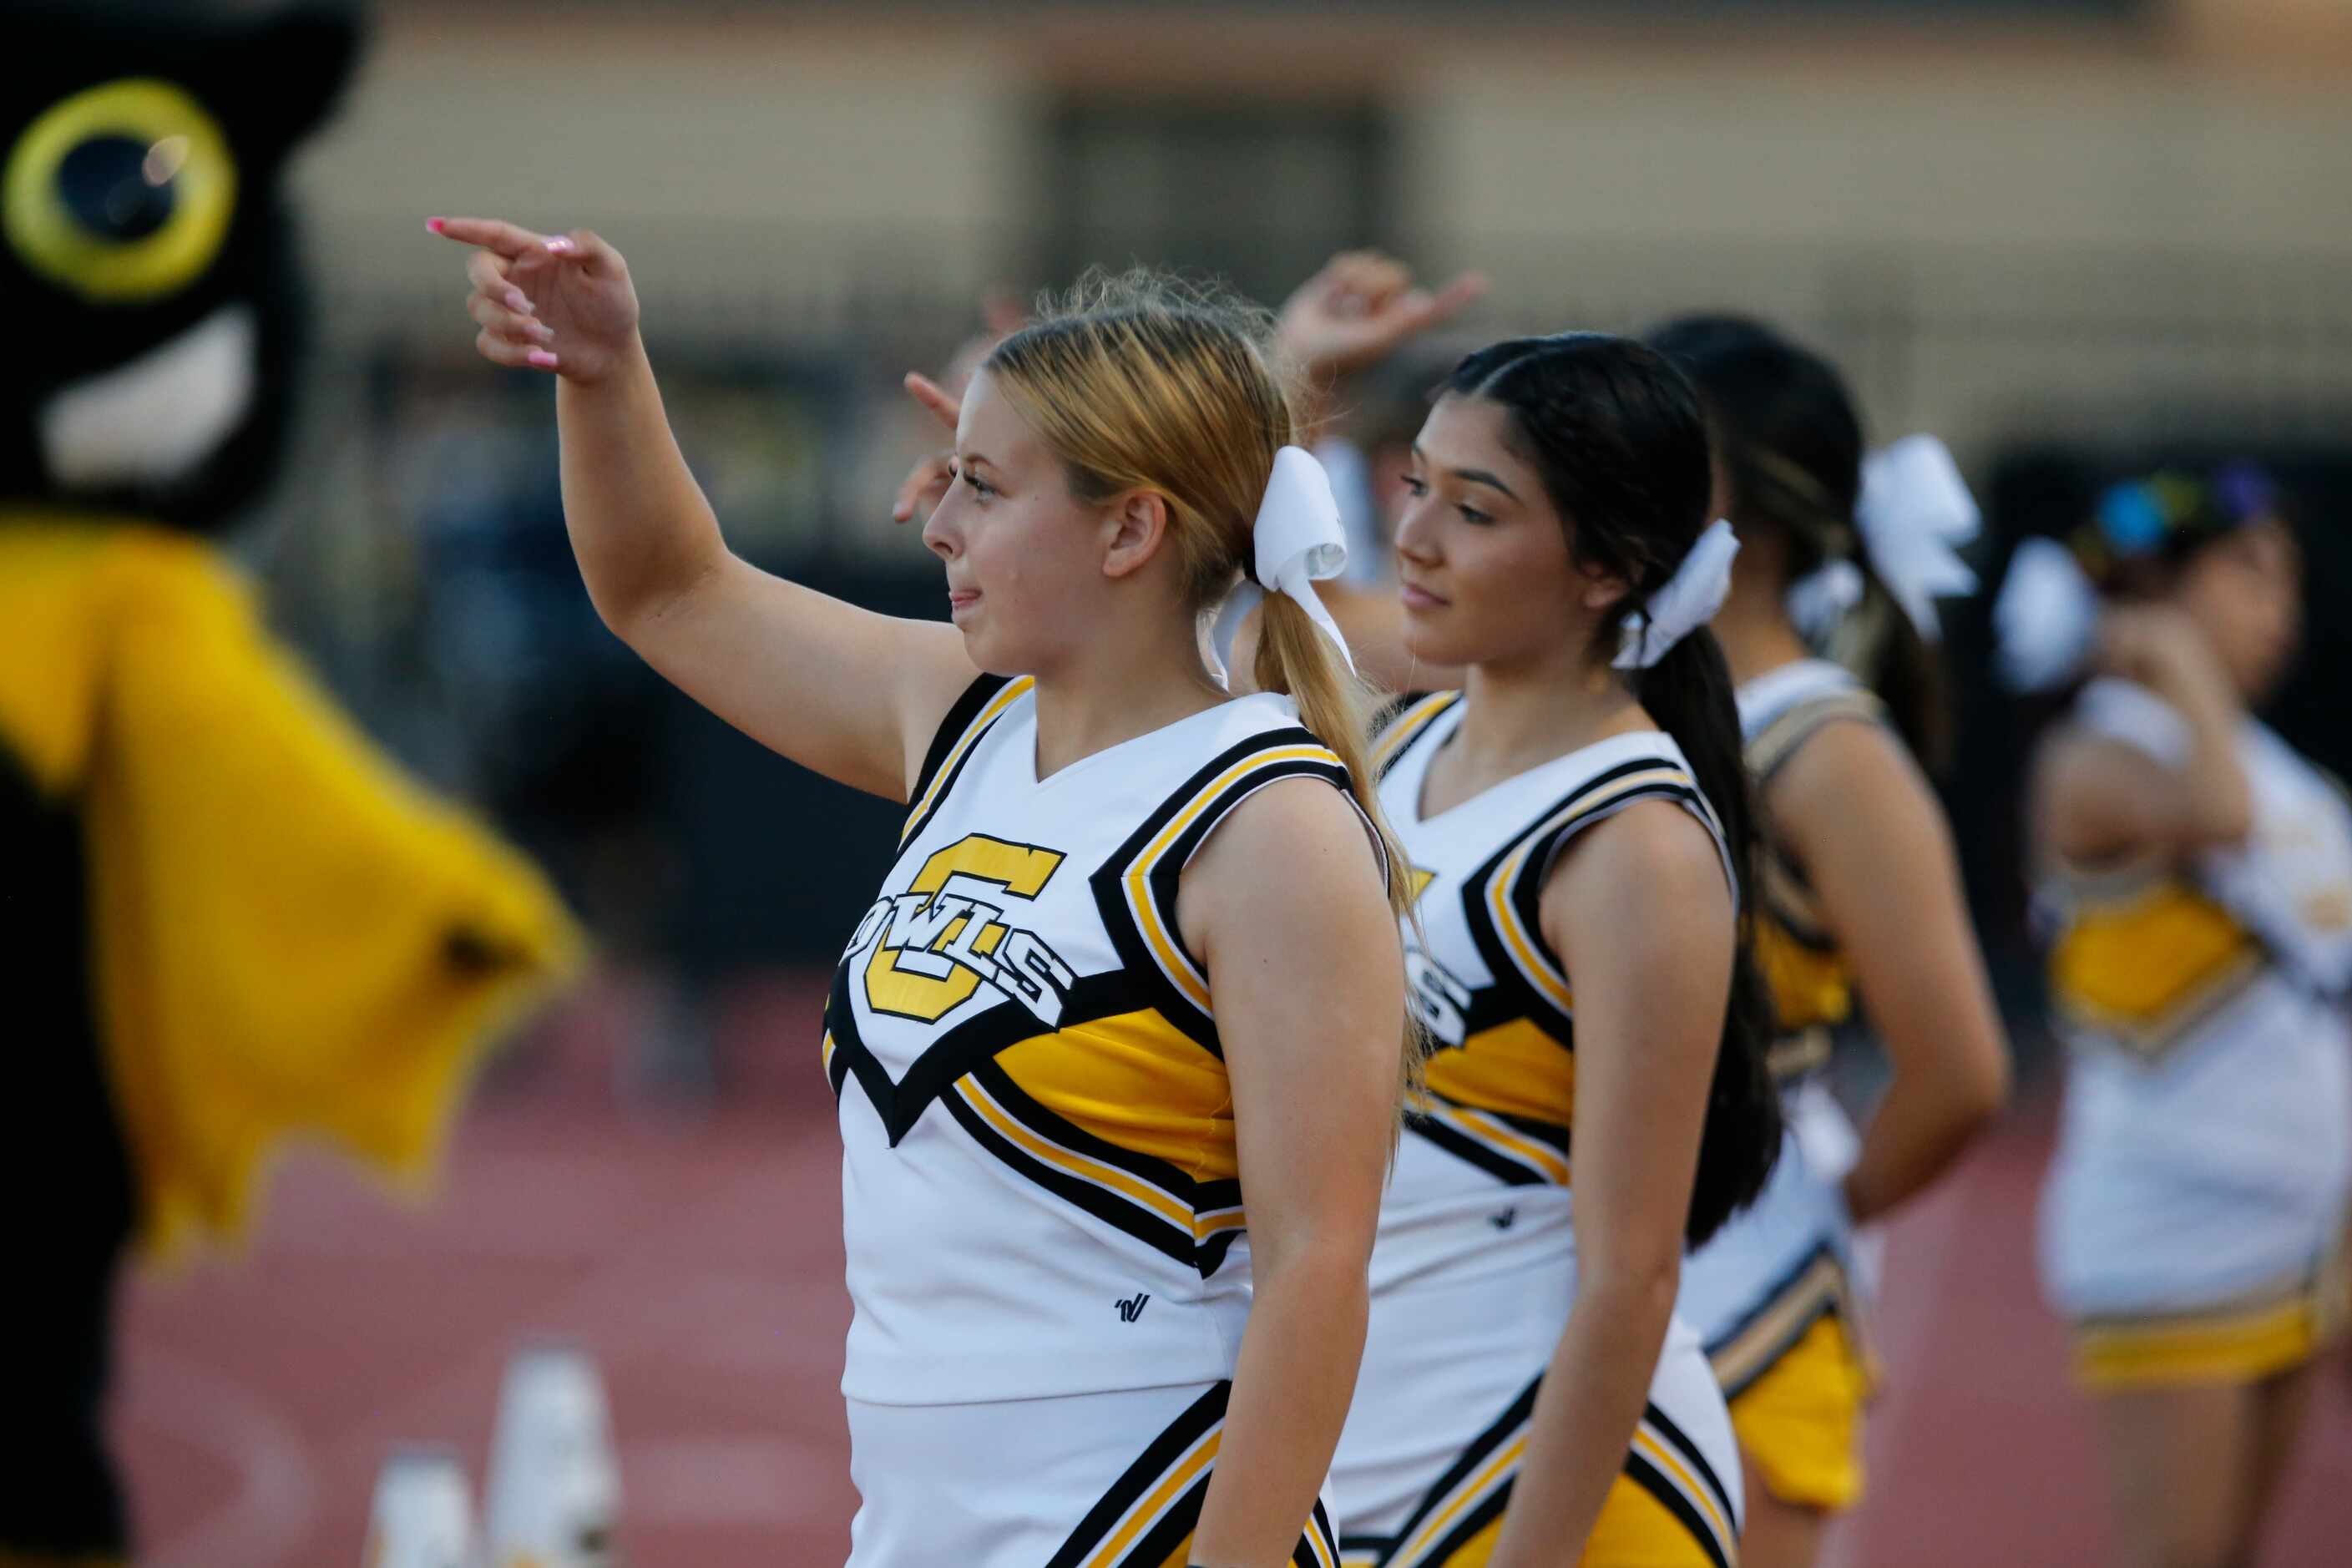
(1518, 1151)
(1463, 1502)
(1147, 1518)
(1815, 1289)
(1134, 890)
(1458, 1519)
(1504, 898)
(1772, 747)
(1193, 1221)
(1811, 981)
(1155, 1005)
(1519, 1030)
(2259, 1333)
(2145, 956)
(1664, 1463)
(1408, 718)
(974, 715)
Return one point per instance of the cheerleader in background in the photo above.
(2196, 874)
(1828, 562)
(1860, 889)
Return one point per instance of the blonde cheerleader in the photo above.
(1118, 1045)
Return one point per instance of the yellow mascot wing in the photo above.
(291, 938)
(53, 651)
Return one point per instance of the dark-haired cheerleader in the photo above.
(2196, 876)
(1575, 819)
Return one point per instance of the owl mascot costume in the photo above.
(227, 920)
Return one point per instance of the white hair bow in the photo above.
(2045, 618)
(1299, 539)
(1822, 597)
(1682, 602)
(1915, 511)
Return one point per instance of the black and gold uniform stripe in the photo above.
(1147, 1518)
(1136, 889)
(2258, 1334)
(1503, 1096)
(1123, 1111)
(1408, 717)
(1811, 981)
(2143, 957)
(974, 715)
(1669, 1506)
(1816, 1291)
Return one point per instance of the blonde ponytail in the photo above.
(1296, 658)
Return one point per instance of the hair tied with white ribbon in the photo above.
(1682, 602)
(1914, 514)
(1298, 539)
(2046, 617)
(1823, 597)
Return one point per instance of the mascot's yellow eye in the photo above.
(123, 192)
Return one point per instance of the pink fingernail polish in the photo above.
(559, 245)
(518, 300)
(434, 224)
(541, 358)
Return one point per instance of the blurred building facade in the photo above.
(2003, 209)
(2115, 223)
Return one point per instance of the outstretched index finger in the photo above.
(1463, 291)
(931, 395)
(504, 239)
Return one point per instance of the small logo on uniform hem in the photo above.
(1505, 1220)
(1132, 1307)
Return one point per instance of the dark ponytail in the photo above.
(1688, 692)
(1789, 442)
(1878, 642)
(1618, 436)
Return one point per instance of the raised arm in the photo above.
(2096, 799)
(1856, 813)
(854, 695)
(1354, 313)
(1638, 911)
(1285, 906)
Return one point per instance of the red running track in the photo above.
(701, 1262)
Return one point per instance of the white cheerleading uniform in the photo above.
(1774, 1294)
(1475, 1269)
(1039, 1182)
(2192, 1224)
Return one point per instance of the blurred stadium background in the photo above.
(2065, 235)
